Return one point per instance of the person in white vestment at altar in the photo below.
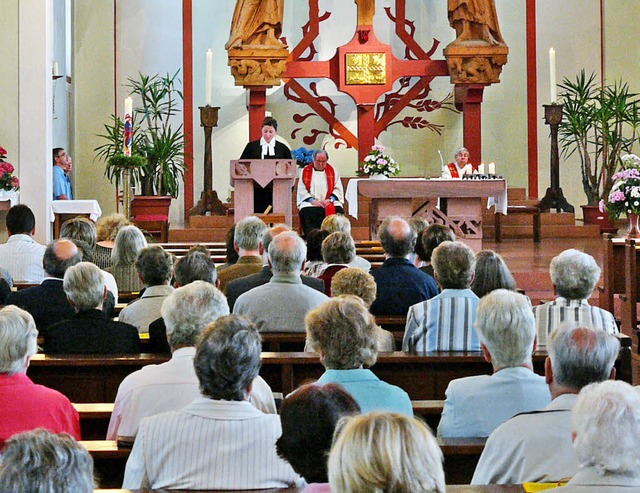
(320, 192)
(456, 169)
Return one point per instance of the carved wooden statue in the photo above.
(475, 20)
(257, 23)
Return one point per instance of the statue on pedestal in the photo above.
(475, 21)
(257, 24)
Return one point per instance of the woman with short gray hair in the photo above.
(343, 333)
(574, 275)
(42, 462)
(338, 250)
(128, 244)
(23, 405)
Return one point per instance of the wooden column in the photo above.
(472, 119)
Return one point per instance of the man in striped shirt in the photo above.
(445, 322)
(219, 441)
(574, 275)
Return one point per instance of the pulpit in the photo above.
(246, 172)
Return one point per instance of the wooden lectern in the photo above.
(246, 172)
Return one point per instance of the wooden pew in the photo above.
(94, 417)
(461, 456)
(630, 298)
(95, 378)
(459, 488)
(613, 271)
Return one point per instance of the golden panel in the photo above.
(366, 68)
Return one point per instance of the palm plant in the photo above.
(600, 124)
(154, 137)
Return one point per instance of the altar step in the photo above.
(552, 225)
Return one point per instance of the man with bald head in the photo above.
(239, 286)
(48, 303)
(537, 446)
(400, 283)
(281, 304)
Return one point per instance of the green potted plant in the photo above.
(600, 123)
(156, 139)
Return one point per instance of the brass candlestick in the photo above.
(209, 201)
(554, 198)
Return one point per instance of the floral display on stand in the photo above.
(8, 182)
(303, 156)
(624, 197)
(378, 163)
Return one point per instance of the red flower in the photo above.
(3, 151)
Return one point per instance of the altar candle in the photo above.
(468, 169)
(128, 125)
(56, 69)
(552, 75)
(481, 168)
(492, 168)
(208, 76)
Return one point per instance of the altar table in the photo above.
(62, 210)
(393, 197)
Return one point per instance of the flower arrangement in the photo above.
(625, 192)
(303, 156)
(7, 180)
(376, 162)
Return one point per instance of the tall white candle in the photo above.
(492, 168)
(128, 106)
(56, 69)
(481, 168)
(552, 75)
(208, 76)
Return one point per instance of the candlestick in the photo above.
(128, 126)
(208, 76)
(552, 75)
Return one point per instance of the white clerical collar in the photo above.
(268, 148)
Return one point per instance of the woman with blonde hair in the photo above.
(106, 230)
(385, 452)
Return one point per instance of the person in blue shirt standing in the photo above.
(61, 168)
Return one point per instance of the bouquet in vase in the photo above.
(624, 197)
(8, 182)
(378, 163)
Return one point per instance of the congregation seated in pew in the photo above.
(476, 405)
(574, 275)
(537, 446)
(219, 440)
(172, 385)
(446, 321)
(89, 330)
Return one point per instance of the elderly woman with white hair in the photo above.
(40, 461)
(605, 425)
(385, 452)
(574, 275)
(23, 405)
(89, 330)
(128, 244)
(343, 333)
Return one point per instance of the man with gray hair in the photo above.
(445, 322)
(282, 303)
(247, 241)
(536, 446)
(48, 302)
(477, 405)
(239, 286)
(172, 385)
(400, 283)
(89, 331)
(605, 425)
(40, 461)
(154, 265)
(219, 441)
(23, 405)
(574, 275)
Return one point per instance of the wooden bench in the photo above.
(613, 271)
(503, 488)
(94, 417)
(532, 210)
(461, 456)
(423, 376)
(631, 297)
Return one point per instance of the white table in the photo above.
(62, 210)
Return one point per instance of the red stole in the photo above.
(453, 169)
(307, 174)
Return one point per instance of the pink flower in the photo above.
(6, 167)
(3, 151)
(15, 183)
(601, 206)
(617, 197)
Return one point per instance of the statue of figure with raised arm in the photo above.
(257, 24)
(475, 20)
